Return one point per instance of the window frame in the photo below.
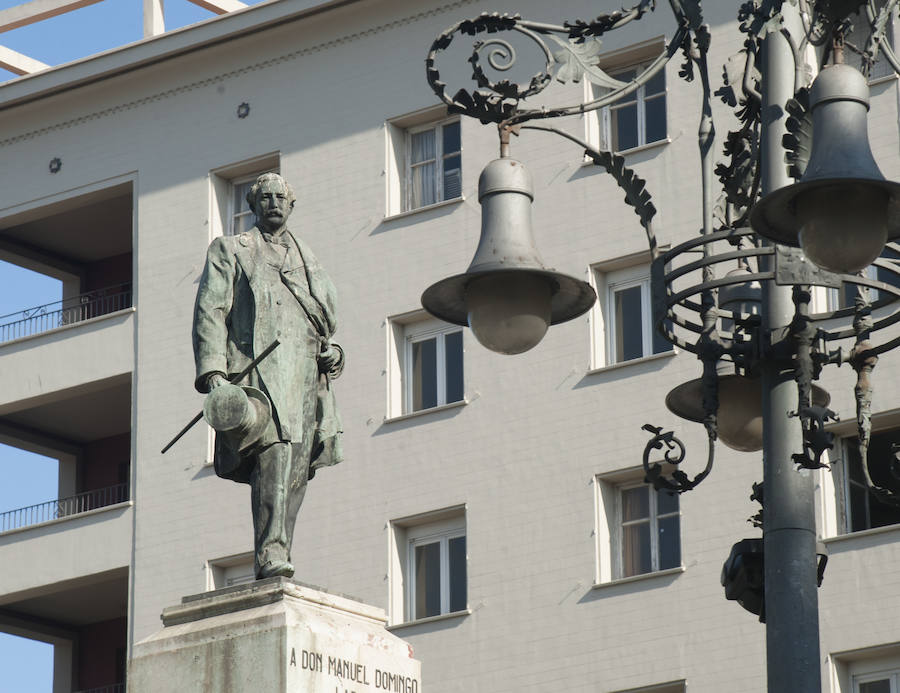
(228, 571)
(411, 338)
(406, 533)
(608, 278)
(403, 332)
(613, 287)
(652, 519)
(423, 536)
(865, 665)
(610, 563)
(891, 676)
(439, 157)
(847, 483)
(599, 122)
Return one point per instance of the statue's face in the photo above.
(273, 206)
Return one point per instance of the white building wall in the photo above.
(522, 454)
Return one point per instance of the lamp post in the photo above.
(751, 327)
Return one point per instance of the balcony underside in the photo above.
(71, 416)
(68, 604)
(70, 234)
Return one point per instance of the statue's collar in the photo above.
(282, 238)
(254, 237)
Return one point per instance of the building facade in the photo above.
(494, 506)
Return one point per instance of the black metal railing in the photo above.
(92, 304)
(63, 507)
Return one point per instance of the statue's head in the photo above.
(272, 200)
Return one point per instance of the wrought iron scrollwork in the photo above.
(673, 454)
(758, 495)
(568, 51)
(808, 365)
(816, 440)
(863, 360)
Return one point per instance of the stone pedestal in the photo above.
(273, 635)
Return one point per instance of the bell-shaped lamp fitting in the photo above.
(507, 296)
(740, 416)
(742, 299)
(842, 211)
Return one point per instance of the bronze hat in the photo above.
(241, 413)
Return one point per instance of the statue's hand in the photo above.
(328, 359)
(216, 380)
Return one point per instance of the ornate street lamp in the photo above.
(731, 296)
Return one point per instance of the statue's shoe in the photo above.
(275, 568)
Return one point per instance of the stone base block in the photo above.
(273, 635)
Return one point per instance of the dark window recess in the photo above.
(864, 510)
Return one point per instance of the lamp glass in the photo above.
(509, 312)
(740, 423)
(843, 228)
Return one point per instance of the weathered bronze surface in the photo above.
(260, 286)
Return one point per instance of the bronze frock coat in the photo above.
(244, 302)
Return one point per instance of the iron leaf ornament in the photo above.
(569, 53)
(797, 140)
(579, 29)
(577, 60)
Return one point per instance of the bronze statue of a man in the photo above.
(260, 286)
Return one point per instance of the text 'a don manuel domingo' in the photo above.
(350, 672)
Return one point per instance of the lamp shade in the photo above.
(507, 296)
(742, 298)
(739, 419)
(842, 211)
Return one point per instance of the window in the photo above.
(426, 359)
(637, 119)
(846, 295)
(230, 185)
(862, 510)
(869, 670)
(424, 160)
(429, 566)
(877, 683)
(623, 317)
(638, 528)
(233, 570)
(437, 570)
(434, 161)
(649, 523)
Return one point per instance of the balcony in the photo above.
(63, 507)
(69, 311)
(85, 620)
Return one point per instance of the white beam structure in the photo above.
(38, 10)
(154, 19)
(220, 6)
(19, 64)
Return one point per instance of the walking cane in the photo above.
(234, 380)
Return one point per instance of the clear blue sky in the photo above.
(26, 666)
